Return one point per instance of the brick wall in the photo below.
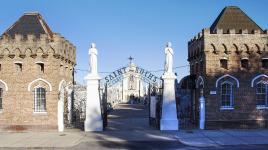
(210, 48)
(58, 56)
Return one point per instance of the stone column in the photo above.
(169, 120)
(93, 120)
(61, 111)
(202, 112)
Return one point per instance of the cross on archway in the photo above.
(130, 59)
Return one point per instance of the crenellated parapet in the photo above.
(230, 32)
(32, 45)
(240, 42)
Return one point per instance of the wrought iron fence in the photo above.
(103, 103)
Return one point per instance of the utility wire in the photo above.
(106, 72)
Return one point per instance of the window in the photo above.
(40, 99)
(265, 63)
(0, 67)
(18, 67)
(224, 63)
(41, 67)
(261, 94)
(226, 95)
(244, 63)
(1, 98)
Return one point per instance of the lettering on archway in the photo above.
(117, 76)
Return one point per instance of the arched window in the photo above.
(40, 99)
(261, 94)
(226, 95)
(1, 98)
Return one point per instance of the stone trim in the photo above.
(227, 108)
(39, 79)
(255, 78)
(39, 62)
(259, 107)
(6, 87)
(18, 62)
(40, 113)
(227, 75)
(62, 83)
(201, 79)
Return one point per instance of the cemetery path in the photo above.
(126, 117)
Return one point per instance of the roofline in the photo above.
(221, 13)
(32, 13)
(251, 19)
(40, 19)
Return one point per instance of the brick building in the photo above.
(36, 76)
(229, 61)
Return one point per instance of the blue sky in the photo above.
(121, 28)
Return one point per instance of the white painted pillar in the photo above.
(61, 111)
(93, 120)
(202, 112)
(169, 120)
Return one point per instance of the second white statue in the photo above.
(93, 52)
(169, 59)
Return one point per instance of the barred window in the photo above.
(40, 99)
(1, 98)
(227, 94)
(261, 94)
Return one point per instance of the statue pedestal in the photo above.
(93, 120)
(169, 120)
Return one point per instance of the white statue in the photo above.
(93, 52)
(169, 58)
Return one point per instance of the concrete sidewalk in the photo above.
(189, 138)
(205, 138)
